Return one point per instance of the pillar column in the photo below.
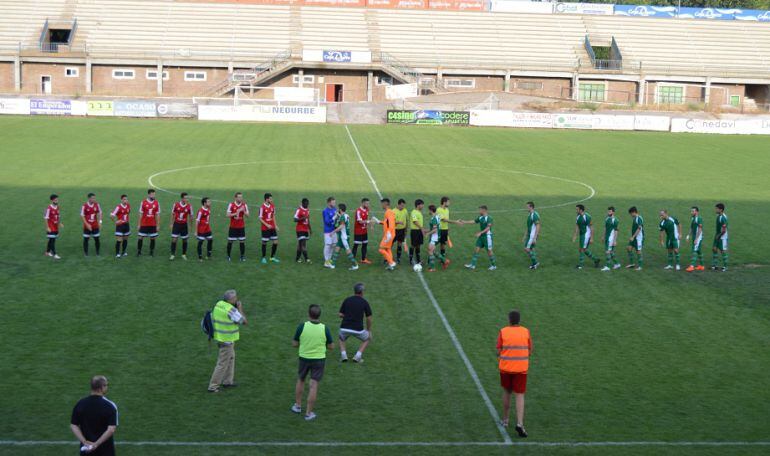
(17, 73)
(507, 83)
(640, 96)
(369, 86)
(89, 77)
(301, 77)
(159, 82)
(707, 91)
(575, 86)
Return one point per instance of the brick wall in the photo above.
(545, 87)
(31, 74)
(6, 77)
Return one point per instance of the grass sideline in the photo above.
(623, 356)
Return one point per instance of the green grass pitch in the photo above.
(624, 356)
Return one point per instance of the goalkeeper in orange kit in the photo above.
(388, 233)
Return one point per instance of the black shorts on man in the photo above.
(314, 367)
(180, 230)
(207, 236)
(443, 236)
(148, 231)
(417, 238)
(361, 238)
(401, 235)
(91, 233)
(236, 234)
(302, 235)
(269, 235)
(52, 234)
(124, 229)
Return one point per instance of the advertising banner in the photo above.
(429, 117)
(496, 118)
(753, 15)
(601, 9)
(645, 11)
(401, 91)
(708, 13)
(134, 108)
(306, 94)
(51, 107)
(263, 113)
(356, 3)
(100, 108)
(337, 56)
(652, 123)
(517, 6)
(593, 122)
(756, 126)
(177, 110)
(14, 106)
(458, 5)
(400, 4)
(79, 108)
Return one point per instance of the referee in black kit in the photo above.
(94, 420)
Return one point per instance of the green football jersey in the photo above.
(721, 222)
(484, 221)
(344, 219)
(532, 220)
(610, 225)
(671, 226)
(695, 222)
(637, 223)
(435, 223)
(583, 222)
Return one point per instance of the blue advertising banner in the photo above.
(50, 107)
(753, 15)
(708, 13)
(134, 108)
(645, 11)
(337, 56)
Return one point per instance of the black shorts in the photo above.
(443, 236)
(236, 234)
(361, 238)
(52, 234)
(315, 367)
(302, 235)
(180, 230)
(148, 231)
(91, 233)
(269, 235)
(204, 236)
(417, 238)
(400, 235)
(123, 229)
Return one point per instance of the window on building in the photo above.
(153, 75)
(592, 92)
(735, 100)
(384, 80)
(670, 94)
(306, 79)
(460, 83)
(529, 85)
(71, 72)
(197, 76)
(123, 74)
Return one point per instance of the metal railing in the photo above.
(43, 34)
(407, 73)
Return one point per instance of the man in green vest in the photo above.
(226, 316)
(313, 339)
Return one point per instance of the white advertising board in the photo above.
(593, 122)
(601, 9)
(498, 118)
(263, 113)
(518, 6)
(400, 91)
(305, 94)
(652, 123)
(14, 106)
(756, 126)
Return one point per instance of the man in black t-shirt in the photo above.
(352, 312)
(94, 420)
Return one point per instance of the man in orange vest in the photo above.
(514, 346)
(388, 233)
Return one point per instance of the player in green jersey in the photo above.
(343, 238)
(611, 239)
(531, 235)
(636, 241)
(434, 239)
(696, 237)
(720, 239)
(483, 238)
(584, 233)
(669, 226)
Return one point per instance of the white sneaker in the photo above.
(358, 360)
(117, 256)
(392, 266)
(617, 266)
(48, 254)
(354, 267)
(678, 267)
(310, 417)
(470, 266)
(492, 268)
(56, 257)
(125, 254)
(328, 264)
(639, 268)
(296, 408)
(184, 257)
(331, 266)
(171, 258)
(606, 268)
(668, 267)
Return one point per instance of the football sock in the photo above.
(581, 258)
(352, 258)
(677, 258)
(714, 259)
(117, 248)
(431, 260)
(417, 253)
(264, 249)
(670, 258)
(334, 256)
(609, 259)
(139, 245)
(492, 260)
(273, 249)
(442, 258)
(304, 254)
(724, 259)
(173, 248)
(533, 256)
(614, 258)
(200, 249)
(694, 259)
(209, 246)
(589, 254)
(97, 245)
(630, 257)
(700, 257)
(364, 248)
(474, 258)
(355, 251)
(639, 259)
(184, 246)
(85, 246)
(399, 248)
(229, 248)
(51, 246)
(299, 251)
(152, 246)
(443, 250)
(359, 355)
(411, 255)
(125, 245)
(343, 354)
(243, 249)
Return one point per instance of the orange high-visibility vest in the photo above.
(514, 354)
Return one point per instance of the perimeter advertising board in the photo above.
(428, 117)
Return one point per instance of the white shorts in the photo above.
(433, 238)
(362, 335)
(330, 238)
(613, 240)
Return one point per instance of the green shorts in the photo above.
(583, 240)
(637, 243)
(697, 242)
(672, 243)
(343, 242)
(484, 241)
(720, 243)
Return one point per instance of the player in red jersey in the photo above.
(52, 224)
(120, 216)
(361, 230)
(149, 212)
(91, 214)
(269, 228)
(302, 219)
(237, 211)
(181, 213)
(203, 228)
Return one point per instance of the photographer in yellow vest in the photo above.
(226, 316)
(313, 339)
(514, 347)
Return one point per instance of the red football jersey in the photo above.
(362, 218)
(182, 212)
(121, 213)
(303, 226)
(91, 214)
(52, 216)
(267, 215)
(149, 210)
(240, 211)
(203, 218)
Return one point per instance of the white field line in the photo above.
(447, 326)
(161, 443)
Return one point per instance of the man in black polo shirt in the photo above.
(352, 312)
(94, 420)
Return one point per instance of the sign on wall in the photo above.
(601, 9)
(50, 107)
(499, 118)
(263, 113)
(427, 117)
(100, 108)
(336, 56)
(14, 106)
(177, 110)
(134, 108)
(401, 91)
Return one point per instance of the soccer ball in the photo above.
(417, 267)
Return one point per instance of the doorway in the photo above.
(334, 93)
(45, 84)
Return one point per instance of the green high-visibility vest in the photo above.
(312, 341)
(224, 328)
